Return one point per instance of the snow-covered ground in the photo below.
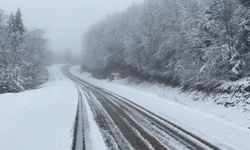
(239, 114)
(226, 127)
(40, 119)
(43, 119)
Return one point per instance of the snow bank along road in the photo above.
(125, 125)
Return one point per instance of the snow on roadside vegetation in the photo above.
(40, 119)
(226, 127)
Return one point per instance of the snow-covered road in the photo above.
(107, 116)
(125, 125)
(107, 99)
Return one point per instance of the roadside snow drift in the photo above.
(40, 119)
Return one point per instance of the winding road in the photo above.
(125, 125)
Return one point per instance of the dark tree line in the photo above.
(193, 44)
(23, 54)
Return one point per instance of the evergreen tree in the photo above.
(15, 23)
(22, 55)
(16, 29)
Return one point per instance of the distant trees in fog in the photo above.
(66, 56)
(23, 54)
(193, 43)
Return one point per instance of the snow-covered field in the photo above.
(40, 119)
(226, 127)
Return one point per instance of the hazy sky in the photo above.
(65, 20)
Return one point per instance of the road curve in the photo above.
(127, 126)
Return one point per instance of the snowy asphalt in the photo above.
(79, 136)
(125, 125)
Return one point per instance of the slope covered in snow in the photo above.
(217, 104)
(40, 119)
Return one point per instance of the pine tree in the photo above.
(19, 27)
(22, 55)
(16, 29)
(15, 23)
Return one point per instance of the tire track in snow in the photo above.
(113, 137)
(111, 134)
(119, 130)
(143, 125)
(79, 134)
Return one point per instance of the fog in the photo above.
(65, 20)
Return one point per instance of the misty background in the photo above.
(196, 44)
(65, 21)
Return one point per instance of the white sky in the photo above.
(65, 20)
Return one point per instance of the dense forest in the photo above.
(193, 44)
(23, 54)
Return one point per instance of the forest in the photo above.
(23, 54)
(195, 44)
